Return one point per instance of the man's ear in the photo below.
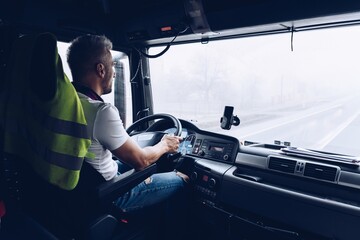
(100, 69)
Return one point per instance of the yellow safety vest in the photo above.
(43, 122)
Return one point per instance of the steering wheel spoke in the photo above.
(145, 139)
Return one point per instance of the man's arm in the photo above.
(131, 153)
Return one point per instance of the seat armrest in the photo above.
(103, 228)
(108, 191)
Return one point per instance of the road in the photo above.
(327, 125)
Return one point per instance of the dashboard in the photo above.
(262, 187)
(272, 193)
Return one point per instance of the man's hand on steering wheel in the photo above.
(172, 142)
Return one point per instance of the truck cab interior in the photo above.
(263, 93)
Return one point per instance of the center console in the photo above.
(213, 155)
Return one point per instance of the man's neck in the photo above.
(88, 91)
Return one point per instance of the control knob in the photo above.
(193, 176)
(212, 183)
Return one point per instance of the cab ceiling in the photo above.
(156, 22)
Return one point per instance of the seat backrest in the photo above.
(44, 120)
(7, 37)
(44, 137)
(15, 223)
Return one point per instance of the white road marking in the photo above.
(289, 121)
(328, 138)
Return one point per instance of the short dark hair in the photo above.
(86, 51)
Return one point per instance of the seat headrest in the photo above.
(43, 66)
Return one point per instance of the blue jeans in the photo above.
(157, 189)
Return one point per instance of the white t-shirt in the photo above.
(107, 133)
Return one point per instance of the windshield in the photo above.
(304, 92)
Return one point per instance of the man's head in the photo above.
(91, 62)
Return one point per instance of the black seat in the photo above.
(15, 224)
(83, 212)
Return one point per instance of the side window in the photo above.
(121, 83)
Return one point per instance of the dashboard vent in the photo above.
(282, 164)
(320, 172)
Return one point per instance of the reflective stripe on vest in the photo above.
(51, 135)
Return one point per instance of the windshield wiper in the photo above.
(352, 161)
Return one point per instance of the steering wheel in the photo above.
(164, 116)
(150, 138)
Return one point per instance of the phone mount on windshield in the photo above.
(228, 119)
